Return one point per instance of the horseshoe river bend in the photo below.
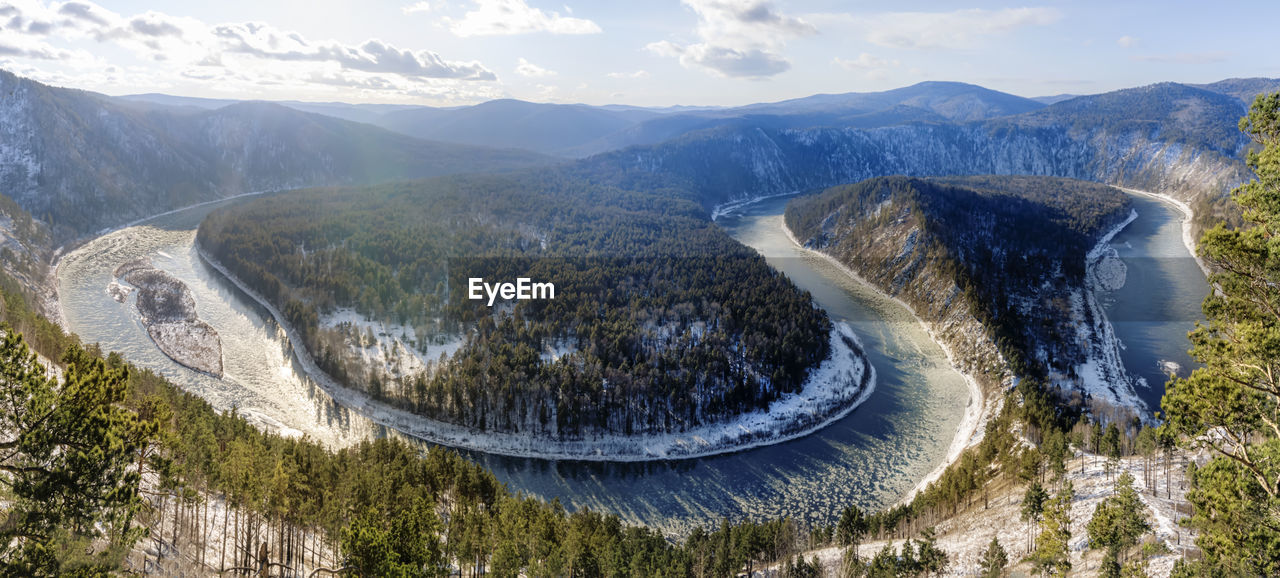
(873, 456)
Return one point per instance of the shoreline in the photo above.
(53, 301)
(747, 431)
(976, 413)
(728, 208)
(1187, 216)
(1104, 365)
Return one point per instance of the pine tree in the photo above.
(68, 451)
(1052, 555)
(1033, 506)
(1236, 394)
(1118, 521)
(994, 560)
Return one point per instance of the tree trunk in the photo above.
(226, 515)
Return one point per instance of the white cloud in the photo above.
(507, 17)
(226, 57)
(628, 75)
(34, 50)
(416, 7)
(530, 70)
(1127, 41)
(266, 42)
(950, 30)
(864, 61)
(739, 38)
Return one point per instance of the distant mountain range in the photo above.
(578, 130)
(80, 161)
(1175, 138)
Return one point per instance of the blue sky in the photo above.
(654, 53)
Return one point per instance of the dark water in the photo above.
(871, 457)
(1160, 300)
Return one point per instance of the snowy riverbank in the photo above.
(168, 311)
(1187, 216)
(1103, 375)
(834, 389)
(976, 413)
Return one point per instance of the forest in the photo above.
(1012, 245)
(661, 322)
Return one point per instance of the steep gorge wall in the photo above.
(728, 166)
(889, 248)
(996, 266)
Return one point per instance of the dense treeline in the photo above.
(382, 507)
(1000, 238)
(1230, 405)
(662, 321)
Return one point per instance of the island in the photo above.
(168, 311)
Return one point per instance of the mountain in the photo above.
(1167, 137)
(922, 102)
(578, 130)
(553, 128)
(81, 161)
(366, 113)
(1244, 89)
(950, 100)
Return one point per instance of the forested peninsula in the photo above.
(661, 322)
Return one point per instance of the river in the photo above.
(871, 457)
(1160, 299)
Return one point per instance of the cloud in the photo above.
(37, 51)
(1127, 41)
(530, 70)
(507, 17)
(627, 75)
(725, 61)
(266, 42)
(154, 24)
(738, 38)
(1183, 58)
(89, 13)
(417, 7)
(226, 57)
(864, 61)
(950, 30)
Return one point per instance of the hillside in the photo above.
(997, 266)
(80, 161)
(1171, 138)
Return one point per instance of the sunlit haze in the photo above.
(694, 52)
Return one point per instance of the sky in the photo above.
(648, 53)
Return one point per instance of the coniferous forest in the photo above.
(664, 321)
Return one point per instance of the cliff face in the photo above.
(888, 247)
(1171, 138)
(997, 266)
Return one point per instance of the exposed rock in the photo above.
(168, 311)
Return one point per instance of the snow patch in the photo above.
(834, 389)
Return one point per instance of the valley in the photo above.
(763, 318)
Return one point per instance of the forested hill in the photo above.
(660, 322)
(997, 263)
(1168, 137)
(81, 161)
